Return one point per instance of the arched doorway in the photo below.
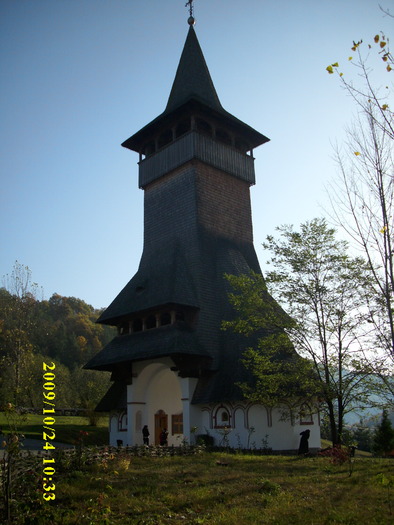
(161, 422)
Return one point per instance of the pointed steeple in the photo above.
(193, 90)
(192, 79)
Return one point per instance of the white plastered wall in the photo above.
(254, 426)
(157, 388)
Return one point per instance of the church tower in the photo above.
(172, 365)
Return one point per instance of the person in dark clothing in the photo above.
(163, 437)
(304, 445)
(145, 435)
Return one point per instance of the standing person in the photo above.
(145, 435)
(163, 437)
(304, 445)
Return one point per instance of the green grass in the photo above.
(250, 490)
(66, 428)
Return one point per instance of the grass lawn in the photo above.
(200, 489)
(249, 490)
(66, 428)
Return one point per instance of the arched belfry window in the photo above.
(149, 149)
(137, 325)
(165, 138)
(223, 136)
(183, 127)
(151, 322)
(124, 328)
(241, 145)
(179, 316)
(165, 319)
(202, 126)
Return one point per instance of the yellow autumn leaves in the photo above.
(385, 55)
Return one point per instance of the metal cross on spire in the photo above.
(191, 19)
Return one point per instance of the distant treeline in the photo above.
(61, 330)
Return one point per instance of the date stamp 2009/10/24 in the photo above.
(48, 432)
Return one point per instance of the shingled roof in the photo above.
(193, 85)
(151, 344)
(148, 288)
(114, 399)
(192, 79)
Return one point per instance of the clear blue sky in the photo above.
(78, 77)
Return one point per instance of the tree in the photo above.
(280, 376)
(89, 387)
(363, 197)
(323, 291)
(18, 304)
(383, 440)
(62, 330)
(362, 437)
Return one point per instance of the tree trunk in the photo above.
(333, 424)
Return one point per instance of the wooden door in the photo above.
(161, 421)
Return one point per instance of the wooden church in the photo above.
(172, 365)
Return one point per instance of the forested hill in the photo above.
(60, 330)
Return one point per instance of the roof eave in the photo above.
(137, 141)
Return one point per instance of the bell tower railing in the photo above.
(194, 145)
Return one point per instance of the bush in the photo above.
(383, 441)
(337, 454)
(206, 440)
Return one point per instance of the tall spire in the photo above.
(193, 87)
(192, 79)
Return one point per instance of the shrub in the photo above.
(383, 441)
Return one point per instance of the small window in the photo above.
(124, 328)
(138, 421)
(241, 145)
(137, 325)
(182, 128)
(122, 422)
(203, 127)
(179, 316)
(177, 424)
(149, 149)
(306, 417)
(225, 417)
(165, 319)
(222, 418)
(151, 322)
(165, 138)
(224, 137)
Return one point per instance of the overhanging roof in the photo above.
(193, 88)
(150, 344)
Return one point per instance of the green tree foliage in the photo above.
(383, 440)
(89, 387)
(323, 291)
(18, 306)
(62, 330)
(281, 376)
(70, 333)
